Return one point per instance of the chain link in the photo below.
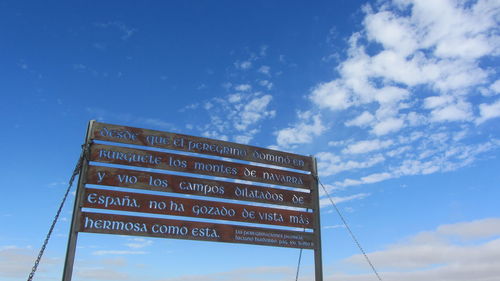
(76, 171)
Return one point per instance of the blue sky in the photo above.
(398, 100)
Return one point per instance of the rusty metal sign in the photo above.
(190, 164)
(177, 229)
(137, 136)
(109, 176)
(175, 206)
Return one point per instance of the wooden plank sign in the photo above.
(109, 176)
(167, 205)
(137, 136)
(190, 164)
(166, 228)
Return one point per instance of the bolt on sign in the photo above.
(237, 183)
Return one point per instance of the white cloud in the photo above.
(137, 243)
(333, 226)
(455, 111)
(387, 126)
(244, 65)
(100, 273)
(105, 115)
(330, 164)
(117, 252)
(241, 274)
(495, 87)
(244, 139)
(325, 201)
(16, 262)
(434, 255)
(265, 70)
(479, 229)
(266, 83)
(422, 160)
(302, 132)
(243, 87)
(338, 143)
(235, 98)
(214, 135)
(237, 116)
(361, 120)
(367, 146)
(254, 111)
(332, 95)
(373, 178)
(488, 111)
(126, 31)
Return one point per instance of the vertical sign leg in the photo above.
(73, 233)
(318, 261)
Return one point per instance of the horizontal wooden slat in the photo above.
(177, 229)
(137, 136)
(198, 186)
(197, 165)
(167, 205)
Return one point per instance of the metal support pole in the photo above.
(75, 222)
(318, 261)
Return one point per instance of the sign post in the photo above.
(73, 232)
(318, 260)
(252, 174)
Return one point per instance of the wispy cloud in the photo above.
(109, 116)
(16, 262)
(309, 126)
(435, 255)
(242, 274)
(138, 243)
(325, 202)
(117, 252)
(126, 31)
(238, 113)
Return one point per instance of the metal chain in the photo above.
(350, 231)
(76, 171)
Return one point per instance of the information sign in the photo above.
(229, 178)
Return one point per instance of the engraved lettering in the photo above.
(157, 182)
(298, 200)
(249, 173)
(177, 162)
(248, 214)
(217, 168)
(100, 176)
